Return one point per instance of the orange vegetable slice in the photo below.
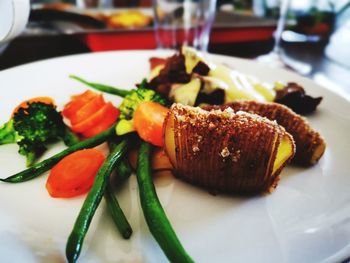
(108, 110)
(74, 175)
(77, 102)
(148, 121)
(87, 110)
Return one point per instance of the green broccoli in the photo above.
(130, 103)
(33, 128)
(8, 133)
(136, 96)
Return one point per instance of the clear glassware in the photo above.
(184, 22)
(275, 58)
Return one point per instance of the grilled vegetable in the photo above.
(310, 145)
(225, 151)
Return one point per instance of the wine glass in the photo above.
(275, 58)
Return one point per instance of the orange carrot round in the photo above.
(148, 121)
(74, 175)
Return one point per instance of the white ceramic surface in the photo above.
(307, 218)
(13, 18)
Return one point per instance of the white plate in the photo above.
(307, 218)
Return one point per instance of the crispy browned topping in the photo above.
(223, 150)
(307, 140)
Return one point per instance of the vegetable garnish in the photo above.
(81, 226)
(91, 115)
(98, 121)
(75, 173)
(33, 126)
(148, 122)
(43, 166)
(87, 109)
(103, 88)
(123, 172)
(77, 102)
(117, 214)
(25, 104)
(153, 211)
(131, 102)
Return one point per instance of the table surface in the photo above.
(324, 71)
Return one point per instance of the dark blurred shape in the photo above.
(293, 96)
(52, 15)
(217, 97)
(201, 68)
(125, 3)
(27, 49)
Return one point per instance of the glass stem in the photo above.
(280, 25)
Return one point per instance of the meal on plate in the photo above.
(209, 124)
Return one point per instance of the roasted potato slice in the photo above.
(310, 145)
(225, 151)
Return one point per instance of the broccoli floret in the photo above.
(33, 128)
(8, 133)
(130, 103)
(136, 96)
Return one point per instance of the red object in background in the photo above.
(145, 39)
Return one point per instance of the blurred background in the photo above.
(316, 32)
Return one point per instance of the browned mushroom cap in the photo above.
(225, 151)
(310, 145)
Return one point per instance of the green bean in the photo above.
(82, 223)
(69, 137)
(102, 87)
(123, 171)
(155, 216)
(43, 166)
(117, 213)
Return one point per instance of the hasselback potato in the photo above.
(225, 151)
(310, 145)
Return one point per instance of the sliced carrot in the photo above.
(77, 102)
(87, 110)
(24, 104)
(96, 118)
(74, 175)
(148, 121)
(110, 118)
